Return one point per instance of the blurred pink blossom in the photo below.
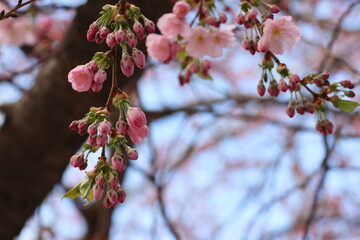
(172, 26)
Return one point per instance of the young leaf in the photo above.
(73, 193)
(86, 189)
(345, 105)
(13, 15)
(206, 77)
(2, 13)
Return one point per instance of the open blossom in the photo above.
(172, 26)
(221, 39)
(137, 130)
(158, 47)
(81, 78)
(181, 9)
(138, 134)
(199, 42)
(280, 35)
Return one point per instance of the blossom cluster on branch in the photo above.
(190, 41)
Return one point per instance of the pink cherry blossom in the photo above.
(280, 35)
(222, 39)
(199, 42)
(181, 9)
(158, 47)
(136, 118)
(81, 78)
(172, 26)
(138, 134)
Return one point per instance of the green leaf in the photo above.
(86, 189)
(207, 77)
(345, 105)
(73, 193)
(181, 55)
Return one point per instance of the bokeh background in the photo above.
(220, 162)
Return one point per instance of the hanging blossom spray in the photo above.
(120, 26)
(206, 36)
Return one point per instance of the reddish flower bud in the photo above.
(113, 196)
(252, 14)
(210, 20)
(149, 26)
(246, 44)
(248, 24)
(206, 65)
(309, 108)
(100, 179)
(261, 88)
(91, 140)
(274, 8)
(101, 140)
(103, 32)
(98, 39)
(222, 18)
(74, 125)
(83, 125)
(318, 81)
(120, 36)
(81, 132)
(121, 195)
(92, 66)
(347, 84)
(90, 36)
(104, 127)
(92, 129)
(121, 127)
(273, 89)
(329, 127)
(282, 85)
(292, 86)
(127, 65)
(138, 28)
(107, 203)
(96, 87)
(100, 76)
(290, 111)
(300, 109)
(110, 40)
(132, 153)
(349, 94)
(320, 127)
(194, 67)
(93, 28)
(77, 160)
(98, 191)
(118, 162)
(294, 78)
(139, 58)
(113, 181)
(131, 39)
(240, 19)
(325, 75)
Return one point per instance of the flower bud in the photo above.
(127, 65)
(96, 87)
(309, 108)
(300, 109)
(149, 26)
(240, 19)
(273, 89)
(91, 140)
(274, 8)
(121, 127)
(194, 67)
(74, 125)
(107, 203)
(282, 85)
(329, 127)
(77, 159)
(206, 65)
(118, 162)
(252, 14)
(104, 127)
(181, 9)
(98, 39)
(292, 86)
(349, 94)
(93, 28)
(92, 129)
(92, 66)
(100, 76)
(347, 84)
(222, 18)
(110, 40)
(103, 32)
(120, 36)
(101, 140)
(121, 195)
(294, 78)
(246, 44)
(131, 39)
(90, 36)
(139, 58)
(290, 111)
(100, 179)
(113, 196)
(83, 125)
(210, 20)
(325, 75)
(261, 88)
(113, 181)
(98, 191)
(132, 153)
(138, 28)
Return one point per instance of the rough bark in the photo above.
(35, 142)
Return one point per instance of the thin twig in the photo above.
(18, 6)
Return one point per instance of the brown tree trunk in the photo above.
(35, 142)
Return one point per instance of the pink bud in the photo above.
(329, 127)
(240, 19)
(210, 20)
(83, 125)
(181, 9)
(92, 129)
(98, 39)
(118, 162)
(113, 181)
(149, 26)
(91, 140)
(318, 81)
(282, 85)
(349, 94)
(74, 125)
(83, 166)
(107, 203)
(261, 88)
(273, 89)
(139, 29)
(93, 28)
(120, 36)
(90, 36)
(98, 191)
(132, 153)
(121, 195)
(81, 132)
(206, 65)
(104, 127)
(300, 109)
(121, 127)
(274, 9)
(320, 127)
(113, 196)
(252, 14)
(100, 76)
(248, 24)
(294, 78)
(194, 67)
(96, 87)
(292, 86)
(131, 39)
(110, 40)
(139, 58)
(222, 18)
(101, 140)
(290, 111)
(92, 66)
(246, 44)
(77, 160)
(103, 32)
(325, 75)
(100, 179)
(127, 65)
(309, 108)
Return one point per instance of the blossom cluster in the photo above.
(113, 27)
(179, 40)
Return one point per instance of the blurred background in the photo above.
(220, 162)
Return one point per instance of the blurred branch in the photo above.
(12, 11)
